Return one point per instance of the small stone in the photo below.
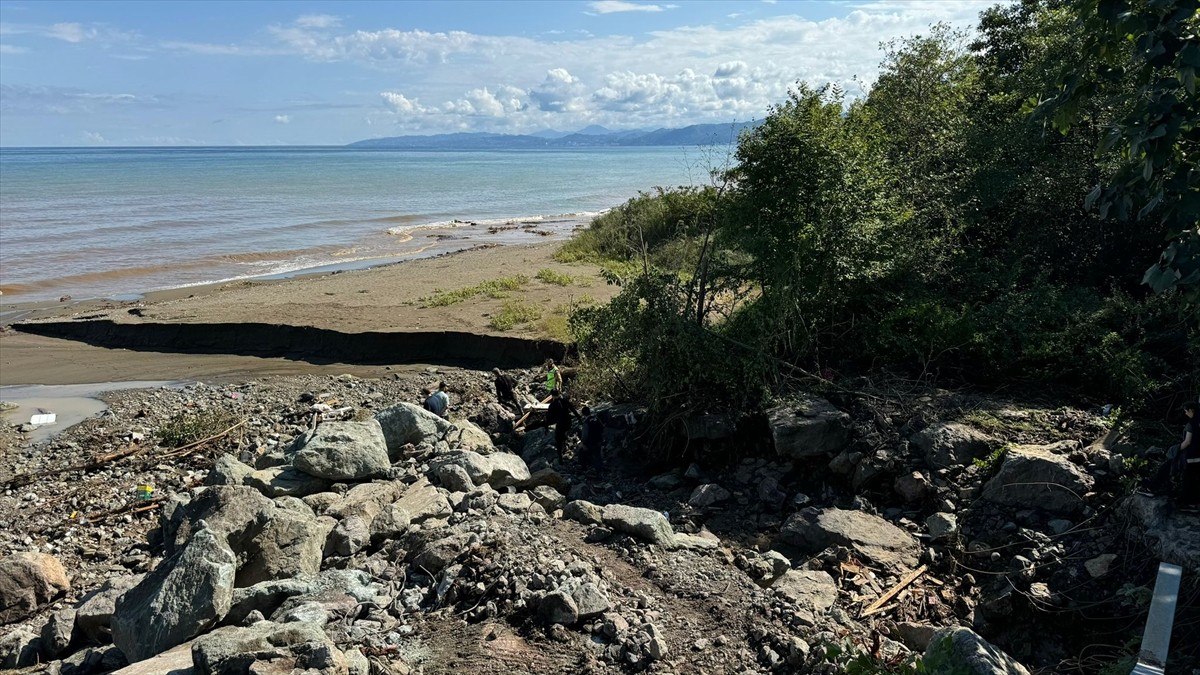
(1099, 566)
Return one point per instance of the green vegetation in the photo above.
(988, 465)
(187, 428)
(853, 660)
(493, 288)
(554, 277)
(556, 325)
(947, 227)
(514, 313)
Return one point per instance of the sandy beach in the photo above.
(401, 297)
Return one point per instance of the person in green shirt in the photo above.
(553, 377)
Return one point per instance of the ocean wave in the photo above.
(538, 219)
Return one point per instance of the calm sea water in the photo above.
(112, 222)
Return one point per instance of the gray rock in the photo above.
(286, 481)
(507, 469)
(93, 613)
(813, 590)
(469, 436)
(912, 487)
(423, 501)
(28, 581)
(366, 500)
(357, 662)
(19, 648)
(656, 647)
(583, 511)
(1060, 526)
(776, 565)
(808, 427)
(295, 505)
(1098, 566)
(960, 651)
(58, 633)
(351, 535)
(227, 470)
(393, 522)
(290, 544)
(941, 525)
(454, 478)
(549, 498)
(266, 597)
(406, 423)
(344, 451)
(477, 466)
(815, 529)
(558, 607)
(644, 523)
(538, 444)
(1036, 476)
(436, 555)
(707, 495)
(952, 444)
(322, 501)
(548, 477)
(518, 502)
(233, 513)
(589, 600)
(184, 596)
(915, 636)
(235, 649)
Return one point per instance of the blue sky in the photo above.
(262, 73)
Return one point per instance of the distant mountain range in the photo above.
(593, 136)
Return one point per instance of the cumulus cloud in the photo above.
(613, 6)
(282, 119)
(400, 103)
(559, 92)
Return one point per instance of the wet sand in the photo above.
(387, 298)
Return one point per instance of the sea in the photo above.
(118, 222)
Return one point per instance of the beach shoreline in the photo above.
(392, 297)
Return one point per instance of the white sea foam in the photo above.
(538, 219)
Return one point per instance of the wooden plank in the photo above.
(877, 606)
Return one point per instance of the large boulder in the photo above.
(344, 451)
(19, 648)
(392, 522)
(93, 614)
(477, 466)
(28, 581)
(227, 470)
(808, 427)
(290, 544)
(423, 501)
(232, 512)
(507, 469)
(647, 524)
(708, 494)
(960, 651)
(366, 500)
(813, 590)
(1033, 475)
(1173, 536)
(285, 481)
(952, 444)
(437, 554)
(183, 597)
(235, 649)
(469, 437)
(406, 423)
(584, 512)
(814, 530)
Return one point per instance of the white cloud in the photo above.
(401, 104)
(94, 137)
(282, 119)
(612, 6)
(70, 32)
(12, 49)
(63, 100)
(318, 21)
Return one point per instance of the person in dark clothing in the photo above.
(506, 390)
(438, 401)
(1182, 463)
(593, 439)
(559, 414)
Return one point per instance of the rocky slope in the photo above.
(333, 527)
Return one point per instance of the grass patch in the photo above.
(514, 313)
(492, 288)
(554, 277)
(557, 326)
(989, 464)
(186, 428)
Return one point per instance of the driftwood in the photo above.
(526, 415)
(95, 463)
(877, 606)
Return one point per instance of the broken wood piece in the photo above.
(876, 606)
(526, 415)
(191, 447)
(95, 463)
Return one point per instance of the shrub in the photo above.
(186, 428)
(493, 288)
(553, 277)
(514, 313)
